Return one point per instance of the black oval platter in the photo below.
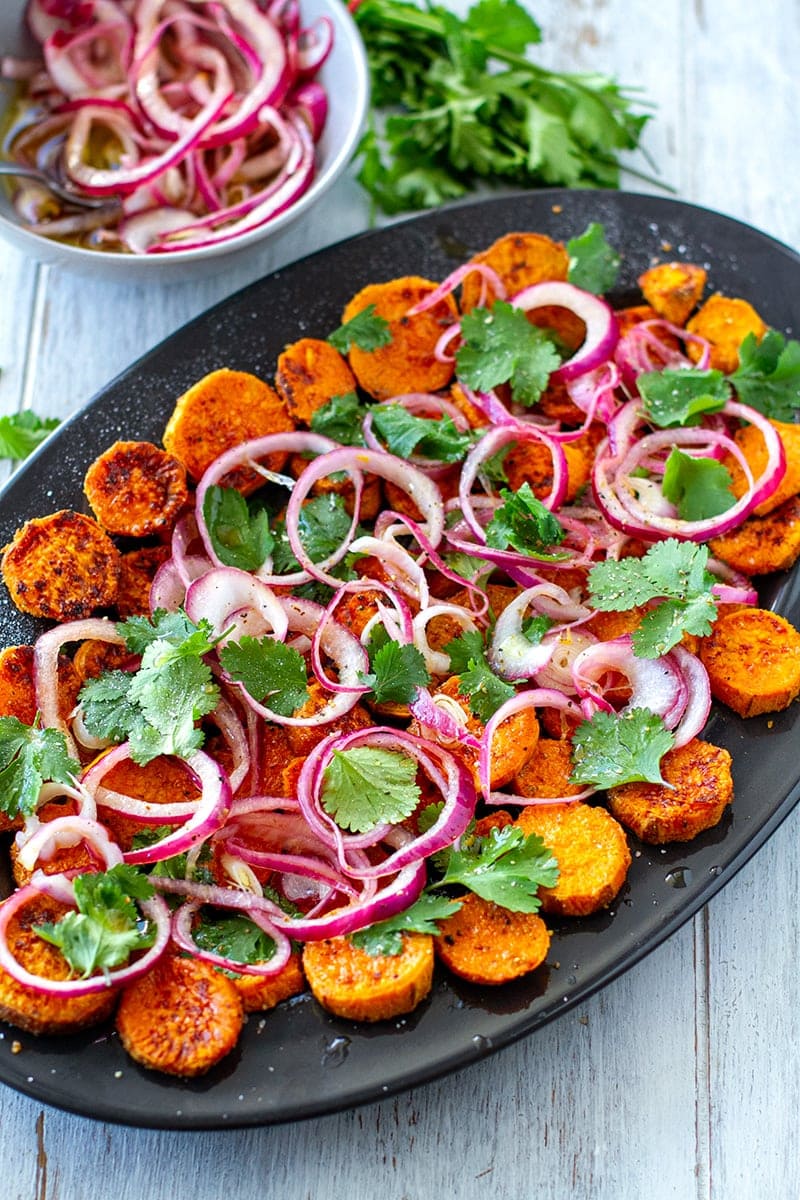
(279, 1071)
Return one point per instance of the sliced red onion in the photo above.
(45, 666)
(61, 832)
(443, 719)
(656, 683)
(437, 662)
(698, 689)
(488, 446)
(154, 909)
(568, 645)
(227, 597)
(449, 285)
(602, 330)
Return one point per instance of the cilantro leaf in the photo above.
(593, 263)
(501, 346)
(672, 571)
(681, 397)
(22, 432)
(386, 937)
(698, 487)
(485, 690)
(240, 537)
(367, 785)
(366, 331)
(611, 749)
(341, 419)
(233, 936)
(503, 24)
(506, 868)
(534, 628)
(270, 671)
(176, 866)
(107, 927)
(29, 757)
(768, 375)
(323, 523)
(436, 438)
(155, 707)
(523, 523)
(396, 672)
(467, 646)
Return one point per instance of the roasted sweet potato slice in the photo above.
(136, 489)
(164, 780)
(30, 1009)
(520, 260)
(181, 1018)
(761, 545)
(137, 572)
(94, 656)
(674, 289)
(311, 372)
(350, 983)
(65, 858)
(752, 445)
(725, 322)
(407, 363)
(546, 774)
(700, 789)
(63, 567)
(17, 689)
(592, 854)
(487, 944)
(532, 463)
(258, 995)
(753, 661)
(218, 412)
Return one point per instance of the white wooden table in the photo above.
(682, 1079)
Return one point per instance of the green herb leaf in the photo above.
(341, 419)
(463, 649)
(501, 346)
(485, 691)
(672, 571)
(240, 536)
(768, 375)
(698, 487)
(506, 868)
(523, 523)
(366, 330)
(29, 757)
(627, 748)
(386, 937)
(682, 397)
(367, 785)
(405, 434)
(22, 432)
(107, 928)
(396, 672)
(593, 263)
(270, 671)
(176, 866)
(156, 707)
(323, 523)
(503, 24)
(233, 936)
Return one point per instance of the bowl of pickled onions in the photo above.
(196, 128)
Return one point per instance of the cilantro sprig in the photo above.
(506, 867)
(240, 533)
(366, 331)
(29, 757)
(367, 785)
(156, 707)
(22, 432)
(673, 572)
(341, 419)
(270, 671)
(233, 936)
(523, 523)
(431, 437)
(481, 686)
(107, 928)
(612, 748)
(396, 672)
(386, 937)
(768, 375)
(593, 262)
(500, 345)
(698, 487)
(682, 397)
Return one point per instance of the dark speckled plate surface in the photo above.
(297, 1061)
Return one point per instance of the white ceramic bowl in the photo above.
(346, 79)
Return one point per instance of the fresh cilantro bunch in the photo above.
(611, 748)
(673, 572)
(29, 757)
(156, 707)
(107, 928)
(465, 103)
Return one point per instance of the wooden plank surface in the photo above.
(680, 1079)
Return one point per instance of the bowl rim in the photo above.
(358, 92)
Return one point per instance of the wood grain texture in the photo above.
(681, 1079)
